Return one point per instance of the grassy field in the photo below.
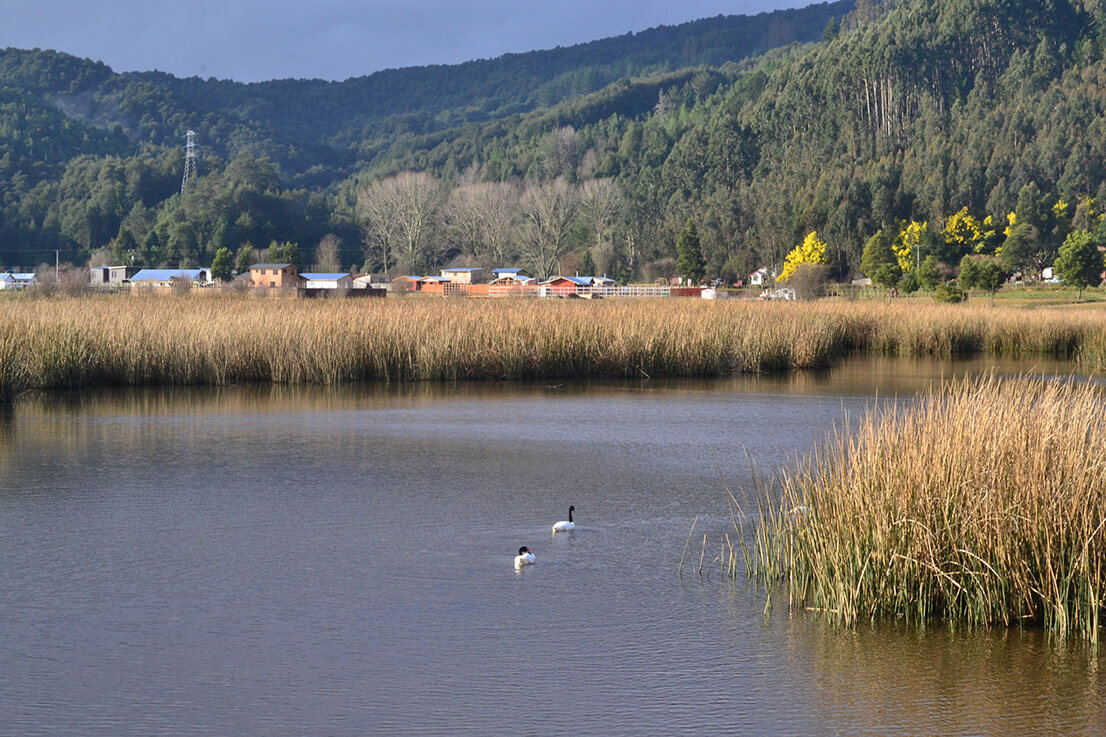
(982, 504)
(123, 340)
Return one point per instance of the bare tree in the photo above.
(401, 214)
(547, 213)
(558, 152)
(328, 257)
(479, 220)
(601, 201)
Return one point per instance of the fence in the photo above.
(608, 292)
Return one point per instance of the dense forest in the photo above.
(892, 138)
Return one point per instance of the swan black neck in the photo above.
(571, 509)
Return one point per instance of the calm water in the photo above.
(289, 561)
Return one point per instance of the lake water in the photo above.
(306, 561)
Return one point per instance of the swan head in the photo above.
(523, 550)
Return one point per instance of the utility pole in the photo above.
(190, 174)
(57, 267)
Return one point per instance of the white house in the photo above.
(371, 281)
(510, 277)
(9, 280)
(601, 281)
(327, 281)
(166, 277)
(760, 277)
(104, 276)
(467, 275)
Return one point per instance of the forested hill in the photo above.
(295, 122)
(940, 128)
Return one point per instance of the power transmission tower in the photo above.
(189, 162)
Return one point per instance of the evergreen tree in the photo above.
(222, 264)
(689, 256)
(1080, 263)
(245, 258)
(879, 254)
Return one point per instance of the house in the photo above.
(406, 283)
(467, 275)
(327, 281)
(760, 277)
(432, 284)
(275, 276)
(166, 278)
(370, 281)
(561, 286)
(109, 276)
(9, 280)
(510, 277)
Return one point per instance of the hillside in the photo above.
(326, 119)
(977, 124)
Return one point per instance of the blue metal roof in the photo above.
(167, 274)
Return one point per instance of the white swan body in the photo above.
(524, 557)
(565, 525)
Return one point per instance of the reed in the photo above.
(980, 504)
(187, 339)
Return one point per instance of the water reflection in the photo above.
(320, 560)
(936, 681)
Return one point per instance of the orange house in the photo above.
(275, 276)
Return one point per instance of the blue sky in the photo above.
(250, 41)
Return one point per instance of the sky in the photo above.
(252, 41)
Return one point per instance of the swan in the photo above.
(565, 525)
(524, 557)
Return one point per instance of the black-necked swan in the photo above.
(565, 525)
(524, 557)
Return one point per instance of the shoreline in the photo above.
(100, 341)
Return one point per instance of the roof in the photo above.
(408, 276)
(464, 268)
(270, 266)
(167, 274)
(431, 278)
(506, 271)
(323, 277)
(582, 281)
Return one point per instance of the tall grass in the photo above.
(72, 342)
(983, 504)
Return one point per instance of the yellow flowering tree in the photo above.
(811, 251)
(906, 244)
(963, 232)
(992, 238)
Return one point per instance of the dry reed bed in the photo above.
(61, 342)
(980, 505)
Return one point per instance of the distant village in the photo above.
(286, 279)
